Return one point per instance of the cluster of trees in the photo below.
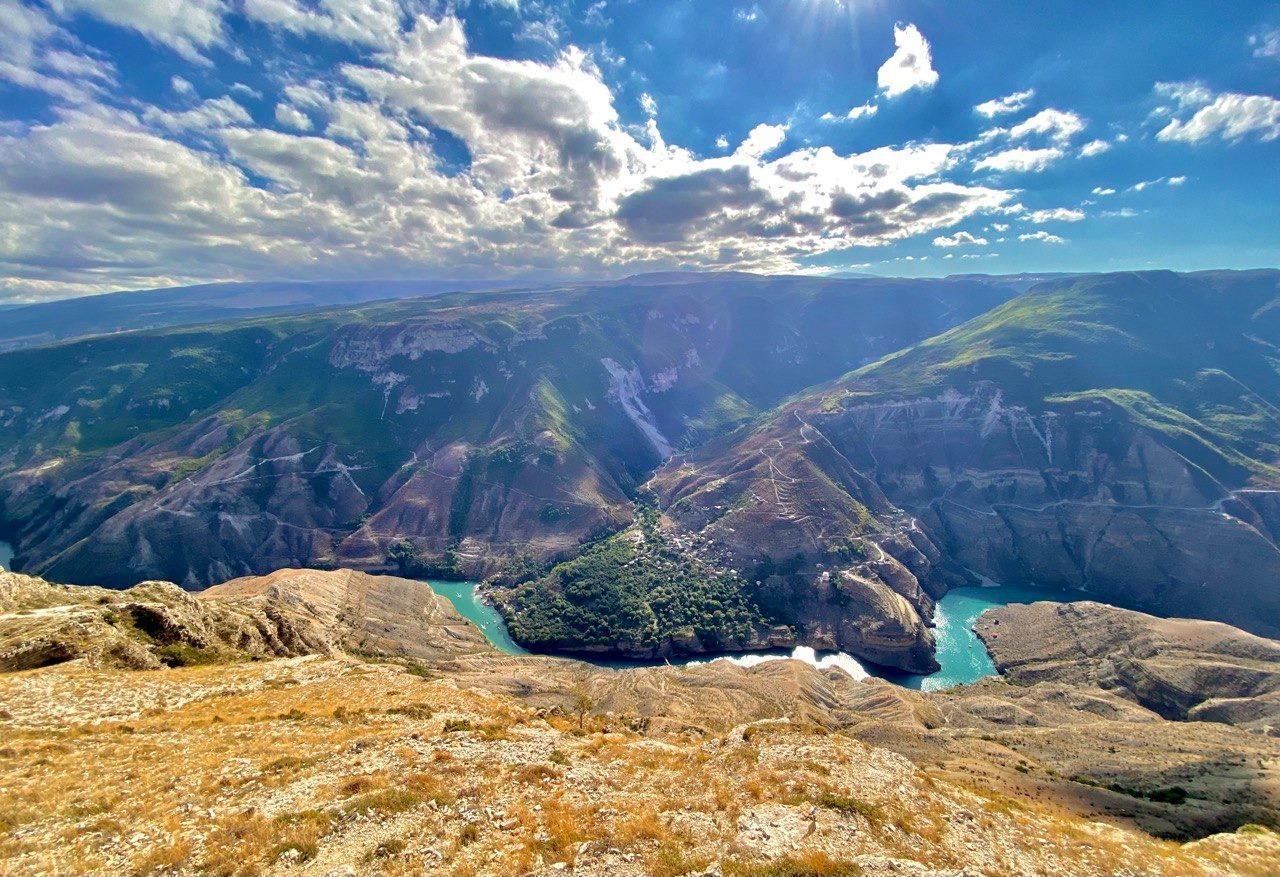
(404, 557)
(633, 591)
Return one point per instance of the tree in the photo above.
(404, 556)
(582, 704)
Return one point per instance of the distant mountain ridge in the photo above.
(33, 325)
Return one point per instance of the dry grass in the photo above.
(308, 765)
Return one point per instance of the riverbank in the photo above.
(963, 658)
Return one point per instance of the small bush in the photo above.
(846, 804)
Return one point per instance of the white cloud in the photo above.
(959, 239)
(215, 114)
(864, 111)
(182, 86)
(1227, 116)
(36, 53)
(426, 158)
(1010, 103)
(910, 66)
(1266, 44)
(1143, 185)
(1042, 236)
(762, 140)
(1057, 125)
(1102, 192)
(188, 27)
(376, 23)
(1057, 214)
(722, 142)
(649, 104)
(291, 117)
(1020, 159)
(1094, 147)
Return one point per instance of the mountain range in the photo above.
(683, 463)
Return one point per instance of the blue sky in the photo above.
(146, 144)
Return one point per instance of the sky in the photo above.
(148, 144)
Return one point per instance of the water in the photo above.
(466, 600)
(960, 652)
(963, 657)
(6, 556)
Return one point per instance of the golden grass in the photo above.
(304, 756)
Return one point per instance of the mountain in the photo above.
(1113, 433)
(677, 464)
(45, 322)
(462, 430)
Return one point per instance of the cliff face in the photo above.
(1112, 434)
(1179, 668)
(1077, 496)
(475, 427)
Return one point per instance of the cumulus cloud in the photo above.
(1043, 237)
(188, 27)
(1057, 214)
(421, 157)
(1020, 159)
(1010, 103)
(291, 117)
(959, 239)
(1094, 147)
(1102, 191)
(763, 140)
(1226, 116)
(1057, 125)
(910, 66)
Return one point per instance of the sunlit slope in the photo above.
(1116, 433)
(473, 426)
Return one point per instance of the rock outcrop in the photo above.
(1178, 668)
(286, 614)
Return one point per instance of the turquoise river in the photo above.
(960, 652)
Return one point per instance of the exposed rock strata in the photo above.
(1181, 669)
(288, 613)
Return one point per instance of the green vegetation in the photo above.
(634, 591)
(185, 655)
(404, 557)
(1192, 358)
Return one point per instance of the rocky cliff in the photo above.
(285, 614)
(1112, 434)
(1179, 668)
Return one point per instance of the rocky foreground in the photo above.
(330, 723)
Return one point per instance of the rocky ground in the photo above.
(371, 755)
